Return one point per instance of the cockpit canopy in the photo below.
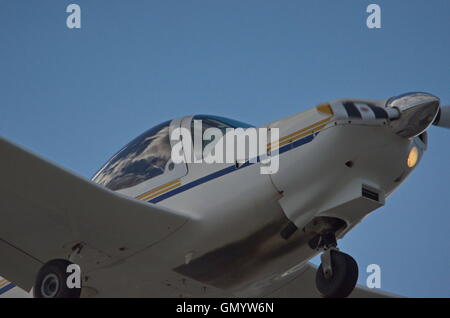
(143, 158)
(148, 156)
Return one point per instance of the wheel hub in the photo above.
(50, 286)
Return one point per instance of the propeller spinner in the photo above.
(417, 112)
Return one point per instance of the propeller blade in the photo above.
(443, 117)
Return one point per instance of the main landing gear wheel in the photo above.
(51, 281)
(341, 280)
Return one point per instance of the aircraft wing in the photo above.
(300, 283)
(45, 211)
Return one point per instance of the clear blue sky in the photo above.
(76, 96)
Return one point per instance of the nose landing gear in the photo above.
(337, 274)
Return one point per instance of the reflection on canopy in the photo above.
(143, 158)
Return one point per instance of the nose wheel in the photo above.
(337, 275)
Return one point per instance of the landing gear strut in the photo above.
(337, 274)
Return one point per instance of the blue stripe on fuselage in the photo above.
(229, 169)
(6, 288)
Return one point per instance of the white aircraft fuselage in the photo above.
(337, 163)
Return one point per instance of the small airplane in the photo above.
(145, 226)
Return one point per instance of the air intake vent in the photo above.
(370, 194)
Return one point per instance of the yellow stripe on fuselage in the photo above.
(162, 192)
(299, 134)
(159, 190)
(147, 196)
(3, 282)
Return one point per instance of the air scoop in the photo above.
(417, 112)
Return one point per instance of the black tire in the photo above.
(51, 281)
(343, 280)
